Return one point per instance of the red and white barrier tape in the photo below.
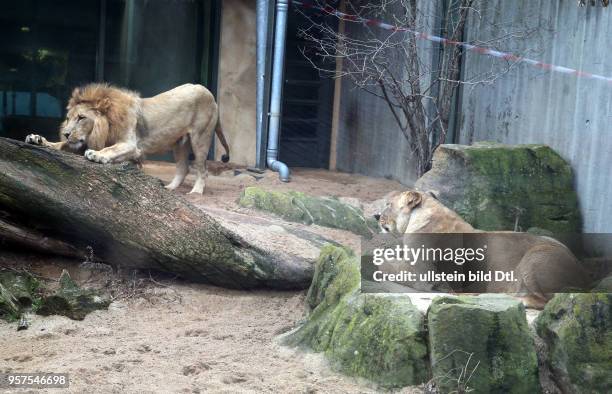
(444, 41)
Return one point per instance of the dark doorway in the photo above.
(307, 102)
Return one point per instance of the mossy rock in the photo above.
(18, 291)
(335, 276)
(22, 285)
(381, 338)
(481, 343)
(300, 207)
(72, 301)
(9, 306)
(577, 329)
(490, 184)
(604, 286)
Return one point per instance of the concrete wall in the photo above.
(369, 141)
(237, 79)
(573, 116)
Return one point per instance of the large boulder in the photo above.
(381, 338)
(577, 329)
(302, 208)
(483, 344)
(495, 186)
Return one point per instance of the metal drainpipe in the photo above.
(282, 6)
(262, 44)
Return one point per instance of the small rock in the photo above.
(189, 370)
(72, 301)
(245, 178)
(144, 348)
(23, 323)
(233, 379)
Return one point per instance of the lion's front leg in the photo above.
(117, 153)
(35, 139)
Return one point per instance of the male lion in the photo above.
(111, 125)
(542, 265)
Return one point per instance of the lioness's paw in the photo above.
(95, 156)
(34, 139)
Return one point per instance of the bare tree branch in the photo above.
(397, 66)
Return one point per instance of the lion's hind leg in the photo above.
(200, 145)
(547, 269)
(181, 151)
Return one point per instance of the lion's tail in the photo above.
(219, 131)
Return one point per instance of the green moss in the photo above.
(299, 207)
(336, 278)
(72, 301)
(21, 284)
(18, 291)
(490, 184)
(381, 338)
(9, 306)
(578, 331)
(487, 337)
(67, 284)
(336, 275)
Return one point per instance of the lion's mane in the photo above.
(117, 109)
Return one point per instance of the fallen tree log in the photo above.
(31, 239)
(131, 221)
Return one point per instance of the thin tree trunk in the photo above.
(131, 221)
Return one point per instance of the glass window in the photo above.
(50, 47)
(47, 48)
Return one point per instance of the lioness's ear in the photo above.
(410, 199)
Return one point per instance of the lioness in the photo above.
(542, 265)
(110, 125)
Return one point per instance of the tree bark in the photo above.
(12, 234)
(131, 221)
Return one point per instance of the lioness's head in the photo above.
(96, 114)
(396, 215)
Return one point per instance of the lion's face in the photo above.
(396, 215)
(78, 126)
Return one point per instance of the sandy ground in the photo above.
(186, 339)
(171, 336)
(223, 188)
